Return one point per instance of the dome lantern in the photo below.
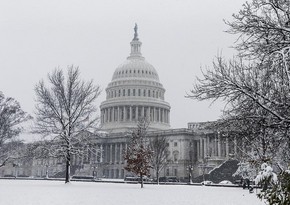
(135, 44)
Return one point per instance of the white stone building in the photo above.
(136, 92)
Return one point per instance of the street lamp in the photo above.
(15, 165)
(190, 168)
(46, 171)
(94, 172)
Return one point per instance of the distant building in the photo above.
(135, 92)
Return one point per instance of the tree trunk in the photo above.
(141, 177)
(157, 176)
(67, 169)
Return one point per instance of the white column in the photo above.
(130, 113)
(235, 147)
(201, 148)
(116, 149)
(148, 114)
(109, 114)
(101, 153)
(136, 113)
(166, 116)
(125, 114)
(118, 114)
(142, 112)
(227, 147)
(105, 115)
(219, 145)
(121, 152)
(113, 114)
(111, 153)
(197, 150)
(204, 147)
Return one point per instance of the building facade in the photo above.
(135, 92)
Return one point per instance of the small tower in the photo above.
(135, 44)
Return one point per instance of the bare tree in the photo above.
(256, 91)
(66, 114)
(138, 154)
(159, 147)
(11, 117)
(263, 27)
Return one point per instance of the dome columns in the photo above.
(129, 113)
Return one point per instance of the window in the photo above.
(149, 93)
(175, 144)
(129, 92)
(133, 92)
(175, 156)
(139, 92)
(124, 92)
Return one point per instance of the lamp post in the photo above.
(190, 168)
(46, 171)
(15, 165)
(94, 172)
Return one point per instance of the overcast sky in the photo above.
(179, 38)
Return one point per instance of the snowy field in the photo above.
(21, 192)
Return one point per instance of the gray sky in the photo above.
(179, 37)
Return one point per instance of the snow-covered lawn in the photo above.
(21, 192)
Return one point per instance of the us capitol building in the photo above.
(135, 92)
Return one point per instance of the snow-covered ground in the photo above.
(21, 192)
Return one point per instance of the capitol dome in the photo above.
(134, 92)
(137, 68)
